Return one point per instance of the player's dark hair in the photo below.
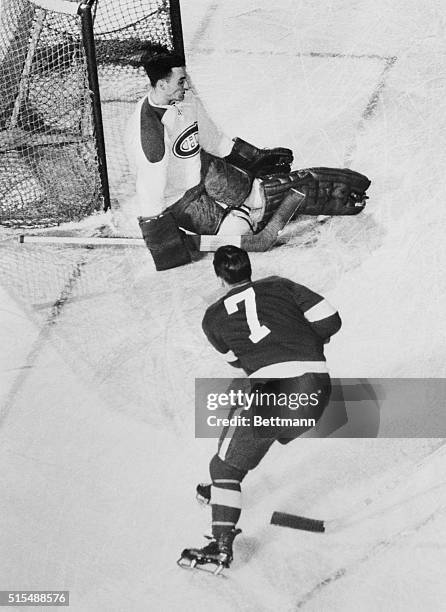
(158, 64)
(232, 264)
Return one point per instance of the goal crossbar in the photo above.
(85, 241)
(204, 243)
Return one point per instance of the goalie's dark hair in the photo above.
(158, 63)
(232, 264)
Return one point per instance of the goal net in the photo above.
(69, 81)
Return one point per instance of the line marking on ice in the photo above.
(321, 54)
(203, 26)
(370, 107)
(41, 339)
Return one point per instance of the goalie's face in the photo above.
(175, 86)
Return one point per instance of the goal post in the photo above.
(69, 82)
(177, 28)
(87, 28)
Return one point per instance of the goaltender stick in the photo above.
(189, 176)
(275, 329)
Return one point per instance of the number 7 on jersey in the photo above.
(258, 331)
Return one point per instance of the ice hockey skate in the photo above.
(212, 558)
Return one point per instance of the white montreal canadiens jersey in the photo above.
(271, 321)
(163, 144)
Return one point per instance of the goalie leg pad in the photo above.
(335, 191)
(165, 241)
(273, 190)
(328, 191)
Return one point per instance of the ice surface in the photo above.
(97, 445)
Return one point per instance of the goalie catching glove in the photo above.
(259, 162)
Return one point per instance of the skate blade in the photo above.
(213, 569)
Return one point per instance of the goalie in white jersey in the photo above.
(185, 166)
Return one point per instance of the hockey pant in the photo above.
(222, 188)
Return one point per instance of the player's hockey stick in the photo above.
(295, 521)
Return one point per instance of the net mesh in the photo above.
(48, 156)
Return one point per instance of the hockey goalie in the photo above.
(192, 180)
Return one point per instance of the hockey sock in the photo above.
(226, 505)
(265, 239)
(225, 496)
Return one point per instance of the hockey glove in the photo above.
(259, 162)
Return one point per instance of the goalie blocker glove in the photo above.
(165, 241)
(259, 162)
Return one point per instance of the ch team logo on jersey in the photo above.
(187, 145)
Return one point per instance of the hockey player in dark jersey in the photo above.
(275, 329)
